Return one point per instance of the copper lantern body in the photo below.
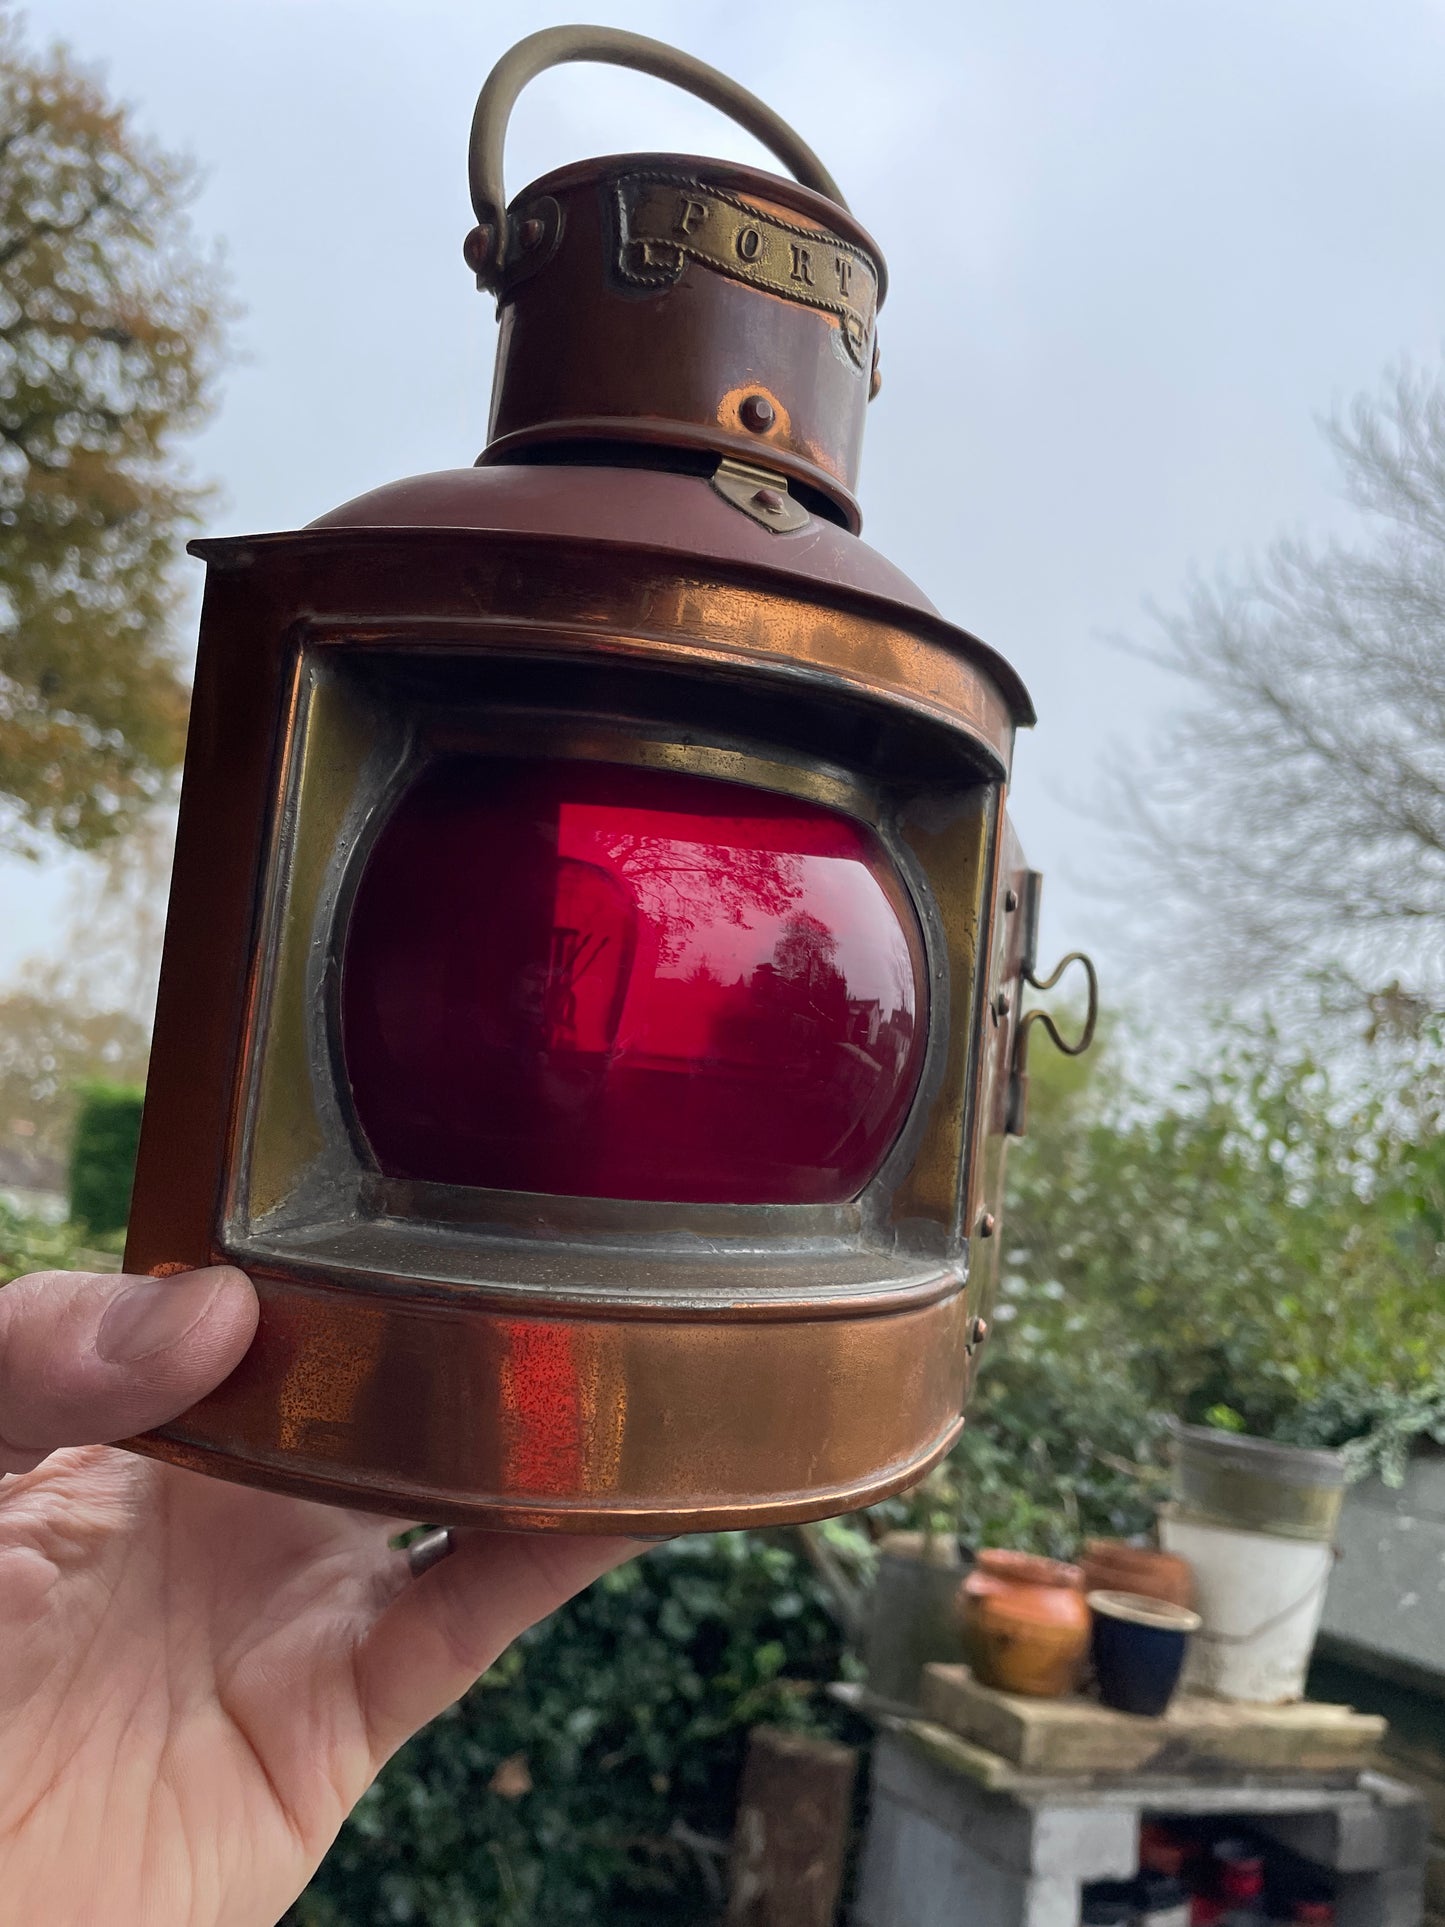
(590, 999)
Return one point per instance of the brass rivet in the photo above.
(987, 1225)
(769, 499)
(477, 248)
(1010, 899)
(757, 413)
(529, 234)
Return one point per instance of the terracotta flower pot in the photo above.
(1025, 1623)
(1112, 1565)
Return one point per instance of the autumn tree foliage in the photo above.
(110, 330)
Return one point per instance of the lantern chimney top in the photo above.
(667, 310)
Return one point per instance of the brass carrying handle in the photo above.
(1091, 1018)
(554, 47)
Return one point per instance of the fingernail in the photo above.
(155, 1313)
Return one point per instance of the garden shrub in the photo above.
(590, 1777)
(33, 1244)
(102, 1155)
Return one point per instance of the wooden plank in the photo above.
(957, 1755)
(1080, 1736)
(790, 1839)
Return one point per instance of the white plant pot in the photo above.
(1260, 1598)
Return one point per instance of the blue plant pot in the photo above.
(1139, 1647)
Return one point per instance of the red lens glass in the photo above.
(583, 979)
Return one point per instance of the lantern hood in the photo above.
(626, 509)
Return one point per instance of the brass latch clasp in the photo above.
(760, 493)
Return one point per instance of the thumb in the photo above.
(444, 1629)
(90, 1357)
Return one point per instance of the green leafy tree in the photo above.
(1242, 1246)
(50, 1044)
(110, 331)
(1260, 1248)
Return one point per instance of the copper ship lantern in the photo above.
(590, 1007)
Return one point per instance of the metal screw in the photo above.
(757, 413)
(1003, 1003)
(769, 500)
(987, 1225)
(530, 233)
(1010, 899)
(977, 1332)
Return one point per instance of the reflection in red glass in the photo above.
(582, 979)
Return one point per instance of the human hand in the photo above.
(198, 1681)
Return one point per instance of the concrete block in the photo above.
(1383, 1827)
(1435, 1882)
(1089, 1841)
(915, 1872)
(1392, 1899)
(941, 1850)
(1086, 1843)
(1050, 1903)
(902, 1774)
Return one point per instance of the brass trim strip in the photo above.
(667, 219)
(320, 1263)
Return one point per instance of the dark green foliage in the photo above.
(102, 1156)
(1054, 1452)
(29, 1244)
(1256, 1252)
(625, 1715)
(1262, 1250)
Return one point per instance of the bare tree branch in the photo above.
(1293, 823)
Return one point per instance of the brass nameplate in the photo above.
(667, 222)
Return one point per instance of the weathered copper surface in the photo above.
(724, 311)
(904, 647)
(462, 1413)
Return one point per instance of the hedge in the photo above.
(102, 1156)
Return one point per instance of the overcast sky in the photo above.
(1137, 248)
